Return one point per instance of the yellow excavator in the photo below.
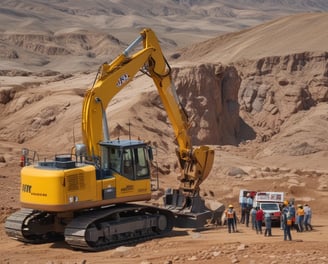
(90, 196)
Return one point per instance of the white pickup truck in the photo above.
(270, 202)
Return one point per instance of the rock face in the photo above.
(252, 99)
(209, 93)
(274, 88)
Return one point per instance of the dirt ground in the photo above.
(210, 245)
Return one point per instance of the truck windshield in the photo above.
(269, 206)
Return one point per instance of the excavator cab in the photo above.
(129, 158)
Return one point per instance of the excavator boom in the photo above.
(196, 163)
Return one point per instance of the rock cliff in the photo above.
(210, 94)
(274, 88)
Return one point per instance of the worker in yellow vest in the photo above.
(300, 217)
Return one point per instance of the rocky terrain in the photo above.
(253, 80)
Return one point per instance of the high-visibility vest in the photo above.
(230, 213)
(300, 211)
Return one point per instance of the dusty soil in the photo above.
(211, 245)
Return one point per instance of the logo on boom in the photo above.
(124, 78)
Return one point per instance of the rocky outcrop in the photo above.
(6, 95)
(209, 93)
(227, 107)
(274, 88)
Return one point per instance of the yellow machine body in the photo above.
(49, 186)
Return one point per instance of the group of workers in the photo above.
(295, 218)
(291, 218)
(257, 217)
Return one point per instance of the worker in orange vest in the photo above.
(231, 217)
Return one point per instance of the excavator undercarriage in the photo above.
(91, 230)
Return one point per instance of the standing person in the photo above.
(249, 205)
(253, 218)
(230, 214)
(259, 220)
(243, 206)
(286, 223)
(300, 217)
(307, 217)
(267, 221)
(292, 212)
(284, 207)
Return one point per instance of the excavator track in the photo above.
(31, 226)
(120, 225)
(92, 230)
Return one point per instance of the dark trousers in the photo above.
(300, 223)
(307, 224)
(247, 211)
(268, 231)
(258, 226)
(243, 215)
(231, 225)
(287, 234)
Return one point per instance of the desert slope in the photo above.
(289, 35)
(71, 36)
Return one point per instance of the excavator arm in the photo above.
(195, 163)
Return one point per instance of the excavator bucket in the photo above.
(196, 169)
(191, 211)
(205, 158)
